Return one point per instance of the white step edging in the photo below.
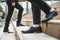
(18, 34)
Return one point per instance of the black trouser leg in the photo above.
(36, 14)
(8, 18)
(41, 4)
(36, 20)
(20, 8)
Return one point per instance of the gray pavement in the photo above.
(7, 36)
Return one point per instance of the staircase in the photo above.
(33, 36)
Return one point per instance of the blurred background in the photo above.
(27, 19)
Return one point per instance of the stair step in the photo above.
(7, 36)
(30, 36)
(53, 28)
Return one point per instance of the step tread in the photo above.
(7, 36)
(32, 36)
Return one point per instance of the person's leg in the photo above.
(41, 4)
(8, 18)
(50, 12)
(20, 8)
(36, 14)
(36, 20)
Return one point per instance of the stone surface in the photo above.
(31, 36)
(7, 36)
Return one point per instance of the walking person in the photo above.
(37, 6)
(11, 5)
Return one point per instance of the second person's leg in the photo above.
(20, 8)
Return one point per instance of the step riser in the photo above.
(53, 28)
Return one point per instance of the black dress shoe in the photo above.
(33, 29)
(20, 25)
(7, 31)
(49, 16)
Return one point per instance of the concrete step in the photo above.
(31, 36)
(53, 28)
(7, 36)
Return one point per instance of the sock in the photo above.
(36, 25)
(52, 9)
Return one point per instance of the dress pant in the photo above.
(10, 12)
(41, 4)
(36, 14)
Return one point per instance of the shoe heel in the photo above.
(56, 14)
